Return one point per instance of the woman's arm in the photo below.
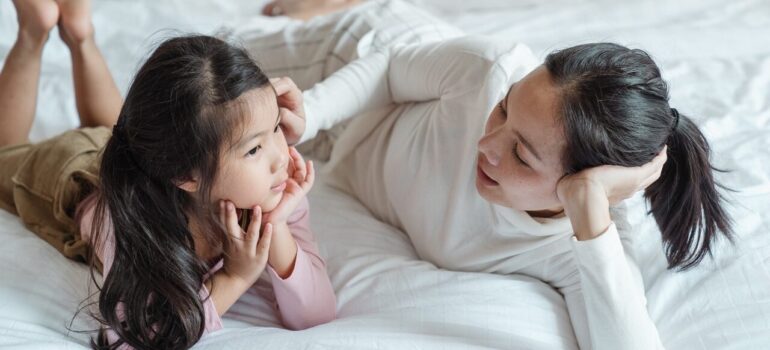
(359, 86)
(411, 73)
(613, 303)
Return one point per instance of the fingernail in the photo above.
(230, 206)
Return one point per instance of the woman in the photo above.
(492, 163)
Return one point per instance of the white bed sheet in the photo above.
(716, 56)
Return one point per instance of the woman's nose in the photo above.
(490, 147)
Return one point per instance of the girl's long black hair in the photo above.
(179, 116)
(615, 110)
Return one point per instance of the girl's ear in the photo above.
(190, 184)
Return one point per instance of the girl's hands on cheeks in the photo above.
(292, 108)
(300, 181)
(246, 252)
(587, 195)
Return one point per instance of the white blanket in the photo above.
(715, 55)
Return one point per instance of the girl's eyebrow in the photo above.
(261, 133)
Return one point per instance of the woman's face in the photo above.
(519, 159)
(254, 171)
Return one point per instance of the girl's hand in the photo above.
(246, 252)
(301, 179)
(587, 195)
(291, 107)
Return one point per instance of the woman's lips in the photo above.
(483, 177)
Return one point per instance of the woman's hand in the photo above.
(246, 252)
(301, 179)
(587, 195)
(291, 107)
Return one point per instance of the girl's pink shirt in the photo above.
(304, 299)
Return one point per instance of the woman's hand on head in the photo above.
(246, 252)
(617, 182)
(587, 195)
(292, 109)
(300, 181)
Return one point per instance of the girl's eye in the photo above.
(253, 151)
(277, 127)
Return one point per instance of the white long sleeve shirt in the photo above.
(409, 155)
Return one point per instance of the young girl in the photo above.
(491, 161)
(185, 203)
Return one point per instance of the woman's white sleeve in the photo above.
(613, 296)
(359, 86)
(442, 70)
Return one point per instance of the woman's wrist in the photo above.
(588, 208)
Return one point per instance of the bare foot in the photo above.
(75, 25)
(306, 9)
(36, 19)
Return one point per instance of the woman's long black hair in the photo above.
(615, 110)
(179, 115)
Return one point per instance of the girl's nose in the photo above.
(281, 160)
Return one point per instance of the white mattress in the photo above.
(716, 56)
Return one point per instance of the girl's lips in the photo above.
(484, 178)
(279, 188)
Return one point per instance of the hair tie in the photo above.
(675, 113)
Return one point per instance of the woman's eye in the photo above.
(516, 155)
(253, 151)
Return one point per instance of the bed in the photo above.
(716, 57)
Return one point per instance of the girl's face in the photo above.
(254, 170)
(519, 159)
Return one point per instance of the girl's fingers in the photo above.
(310, 179)
(294, 164)
(232, 221)
(299, 165)
(263, 247)
(256, 222)
(290, 168)
(222, 217)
